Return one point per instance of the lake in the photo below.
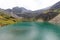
(30, 31)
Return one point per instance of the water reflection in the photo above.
(30, 31)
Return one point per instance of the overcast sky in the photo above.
(28, 4)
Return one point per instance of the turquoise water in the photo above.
(30, 31)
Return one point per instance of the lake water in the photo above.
(30, 31)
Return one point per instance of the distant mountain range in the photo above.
(22, 12)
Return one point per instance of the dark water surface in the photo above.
(30, 31)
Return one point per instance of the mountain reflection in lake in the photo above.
(30, 31)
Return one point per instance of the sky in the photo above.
(28, 4)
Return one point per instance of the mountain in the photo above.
(21, 14)
(45, 14)
(48, 13)
(56, 6)
(19, 11)
(6, 18)
(40, 11)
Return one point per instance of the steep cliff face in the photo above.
(55, 20)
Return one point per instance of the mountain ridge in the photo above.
(25, 15)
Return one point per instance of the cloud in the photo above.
(29, 4)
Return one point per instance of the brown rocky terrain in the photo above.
(55, 20)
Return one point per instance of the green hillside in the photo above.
(6, 19)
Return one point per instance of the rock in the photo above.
(55, 20)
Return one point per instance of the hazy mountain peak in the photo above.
(22, 8)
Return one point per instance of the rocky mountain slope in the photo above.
(6, 18)
(56, 6)
(55, 20)
(11, 16)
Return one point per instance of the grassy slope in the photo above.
(7, 19)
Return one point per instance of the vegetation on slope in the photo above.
(48, 14)
(44, 16)
(7, 19)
